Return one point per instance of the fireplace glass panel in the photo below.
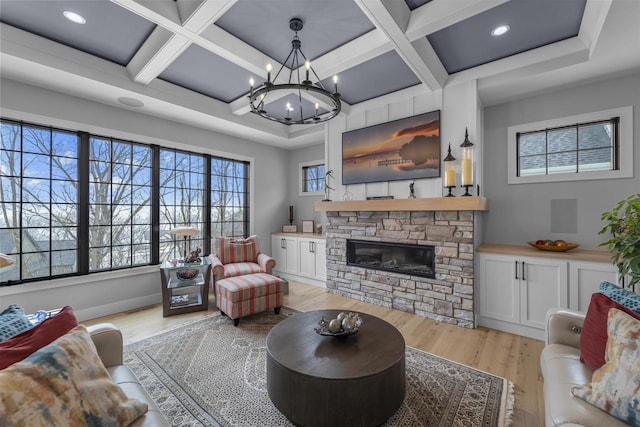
(417, 260)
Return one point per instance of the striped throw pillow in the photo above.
(230, 250)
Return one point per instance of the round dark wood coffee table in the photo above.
(315, 380)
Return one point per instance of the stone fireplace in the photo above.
(447, 295)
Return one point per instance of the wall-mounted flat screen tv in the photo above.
(407, 148)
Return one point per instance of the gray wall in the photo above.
(105, 293)
(303, 205)
(522, 212)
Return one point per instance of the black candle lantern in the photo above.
(449, 172)
(467, 163)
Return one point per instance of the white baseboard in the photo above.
(302, 279)
(117, 307)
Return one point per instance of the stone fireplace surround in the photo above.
(447, 298)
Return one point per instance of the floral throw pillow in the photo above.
(614, 387)
(12, 322)
(64, 384)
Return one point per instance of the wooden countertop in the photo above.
(306, 235)
(526, 250)
(471, 203)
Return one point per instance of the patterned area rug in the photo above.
(210, 373)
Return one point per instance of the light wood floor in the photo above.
(510, 356)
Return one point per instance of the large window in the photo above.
(119, 204)
(589, 146)
(39, 201)
(229, 197)
(73, 203)
(182, 202)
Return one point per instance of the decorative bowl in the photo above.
(187, 273)
(553, 248)
(350, 325)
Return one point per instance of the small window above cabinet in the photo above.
(311, 179)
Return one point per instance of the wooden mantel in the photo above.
(469, 203)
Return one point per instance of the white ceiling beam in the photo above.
(164, 45)
(439, 14)
(593, 19)
(388, 16)
(546, 58)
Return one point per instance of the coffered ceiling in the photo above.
(191, 60)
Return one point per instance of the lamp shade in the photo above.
(184, 231)
(5, 260)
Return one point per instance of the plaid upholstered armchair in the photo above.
(242, 278)
(236, 257)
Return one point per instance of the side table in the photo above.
(185, 296)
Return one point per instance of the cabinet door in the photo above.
(321, 258)
(307, 258)
(277, 252)
(544, 285)
(291, 254)
(584, 279)
(499, 293)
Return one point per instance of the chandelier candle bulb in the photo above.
(269, 72)
(335, 82)
(307, 65)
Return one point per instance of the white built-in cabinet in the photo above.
(300, 257)
(284, 250)
(514, 291)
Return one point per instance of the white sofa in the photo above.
(562, 369)
(108, 341)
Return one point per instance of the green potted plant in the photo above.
(623, 222)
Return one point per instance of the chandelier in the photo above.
(315, 104)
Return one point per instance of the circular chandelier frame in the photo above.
(331, 103)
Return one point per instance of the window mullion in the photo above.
(83, 203)
(155, 204)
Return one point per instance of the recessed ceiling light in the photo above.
(74, 17)
(130, 102)
(500, 30)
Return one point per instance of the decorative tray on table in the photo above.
(557, 246)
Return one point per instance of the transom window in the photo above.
(312, 178)
(572, 149)
(589, 146)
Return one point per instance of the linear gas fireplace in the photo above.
(415, 260)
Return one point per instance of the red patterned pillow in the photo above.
(230, 250)
(593, 338)
(22, 345)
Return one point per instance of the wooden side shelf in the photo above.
(472, 203)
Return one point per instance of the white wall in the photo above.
(522, 212)
(303, 205)
(98, 295)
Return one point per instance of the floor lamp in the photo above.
(185, 232)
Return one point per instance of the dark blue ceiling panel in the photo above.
(414, 4)
(111, 32)
(201, 71)
(264, 25)
(469, 43)
(379, 76)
